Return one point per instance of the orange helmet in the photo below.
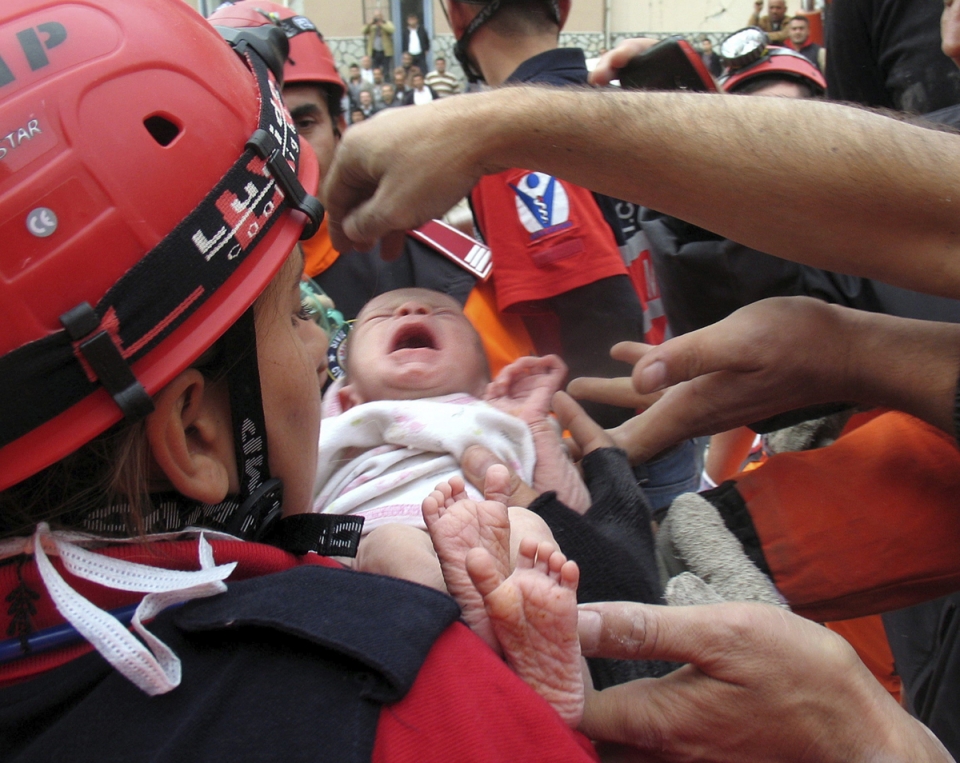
(143, 207)
(309, 60)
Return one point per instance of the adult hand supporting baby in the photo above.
(760, 684)
(497, 482)
(494, 479)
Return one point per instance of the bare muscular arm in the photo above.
(814, 182)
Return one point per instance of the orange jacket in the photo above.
(867, 525)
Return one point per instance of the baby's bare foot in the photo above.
(534, 616)
(456, 525)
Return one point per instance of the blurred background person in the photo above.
(378, 82)
(366, 69)
(442, 82)
(799, 31)
(388, 96)
(774, 23)
(710, 59)
(356, 84)
(400, 81)
(378, 35)
(366, 104)
(419, 93)
(416, 42)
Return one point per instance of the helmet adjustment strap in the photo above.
(267, 148)
(260, 513)
(260, 497)
(106, 362)
(48, 376)
(268, 42)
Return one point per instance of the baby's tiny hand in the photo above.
(525, 388)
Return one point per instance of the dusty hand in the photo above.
(586, 435)
(761, 684)
(618, 391)
(769, 357)
(398, 171)
(610, 64)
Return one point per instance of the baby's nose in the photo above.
(413, 308)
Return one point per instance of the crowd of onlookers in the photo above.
(375, 84)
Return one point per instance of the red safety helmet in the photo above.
(141, 210)
(310, 60)
(755, 58)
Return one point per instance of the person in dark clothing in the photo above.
(799, 31)
(710, 59)
(886, 54)
(416, 42)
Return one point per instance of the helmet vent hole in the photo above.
(163, 130)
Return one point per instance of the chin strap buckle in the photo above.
(326, 534)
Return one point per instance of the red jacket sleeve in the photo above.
(467, 706)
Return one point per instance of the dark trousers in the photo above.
(583, 325)
(381, 60)
(421, 61)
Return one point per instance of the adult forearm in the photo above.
(814, 182)
(909, 365)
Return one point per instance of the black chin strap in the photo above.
(259, 515)
(260, 497)
(460, 49)
(486, 13)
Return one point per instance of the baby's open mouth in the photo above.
(414, 336)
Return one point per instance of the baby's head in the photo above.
(410, 344)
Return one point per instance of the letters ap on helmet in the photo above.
(162, 184)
